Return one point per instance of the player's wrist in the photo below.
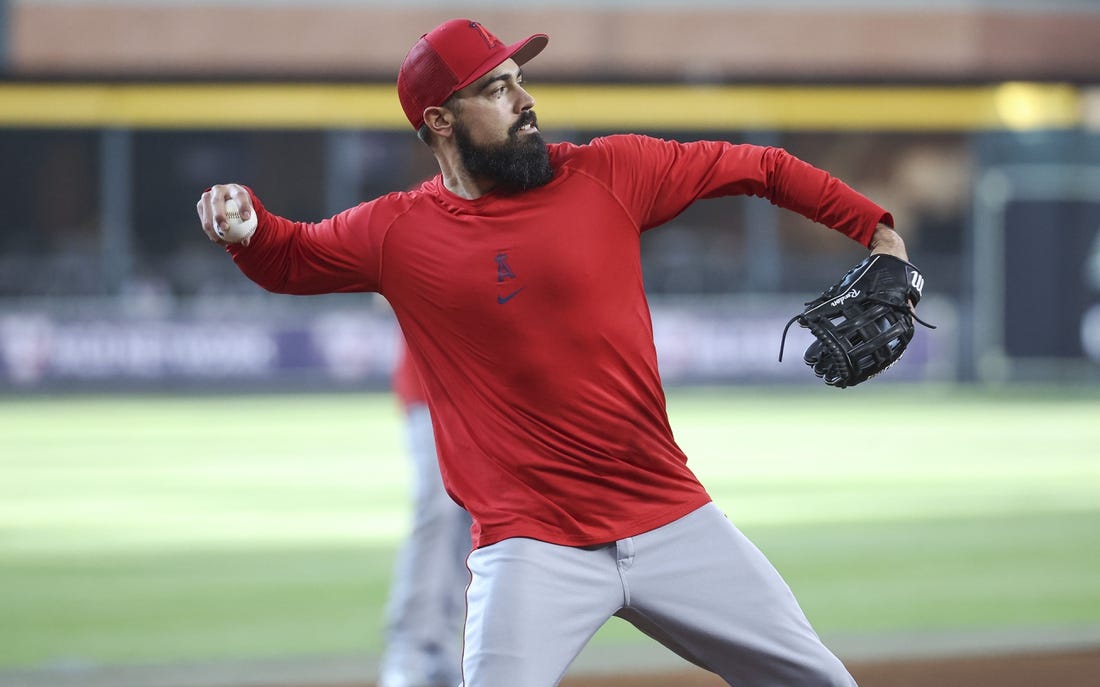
(886, 240)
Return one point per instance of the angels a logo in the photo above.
(840, 301)
(505, 275)
(503, 270)
(490, 40)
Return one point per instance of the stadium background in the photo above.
(977, 124)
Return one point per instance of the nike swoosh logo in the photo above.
(504, 299)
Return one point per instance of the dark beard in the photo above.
(518, 164)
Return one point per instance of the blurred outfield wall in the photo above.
(113, 119)
(711, 40)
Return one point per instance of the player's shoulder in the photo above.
(398, 202)
(614, 148)
(382, 212)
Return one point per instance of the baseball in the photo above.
(237, 230)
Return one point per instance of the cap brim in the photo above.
(524, 50)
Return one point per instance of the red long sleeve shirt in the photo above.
(527, 319)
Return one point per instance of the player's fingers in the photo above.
(244, 200)
(202, 208)
(208, 214)
(218, 195)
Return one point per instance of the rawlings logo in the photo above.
(837, 302)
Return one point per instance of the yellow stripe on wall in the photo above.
(1014, 105)
(196, 106)
(1006, 106)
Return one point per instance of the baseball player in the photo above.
(426, 605)
(516, 279)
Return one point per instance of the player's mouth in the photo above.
(528, 124)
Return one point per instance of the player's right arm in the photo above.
(339, 254)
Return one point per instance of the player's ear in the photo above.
(440, 121)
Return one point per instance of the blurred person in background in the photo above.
(426, 605)
(515, 275)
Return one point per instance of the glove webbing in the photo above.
(871, 299)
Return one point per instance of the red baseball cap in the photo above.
(449, 58)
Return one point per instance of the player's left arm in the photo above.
(814, 193)
(657, 179)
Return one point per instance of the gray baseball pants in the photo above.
(696, 585)
(425, 607)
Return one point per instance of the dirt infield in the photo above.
(1066, 669)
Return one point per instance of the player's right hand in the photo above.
(211, 209)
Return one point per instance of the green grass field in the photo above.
(159, 529)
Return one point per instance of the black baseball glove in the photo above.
(863, 323)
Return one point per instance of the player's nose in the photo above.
(525, 101)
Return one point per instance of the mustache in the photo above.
(528, 117)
